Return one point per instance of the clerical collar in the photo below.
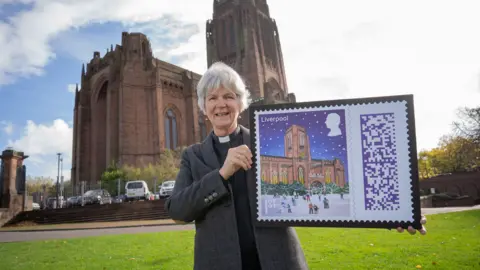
(228, 138)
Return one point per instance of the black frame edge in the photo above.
(412, 145)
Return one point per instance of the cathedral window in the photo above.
(302, 140)
(144, 49)
(289, 140)
(225, 34)
(301, 178)
(203, 127)
(232, 33)
(171, 130)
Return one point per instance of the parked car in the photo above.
(136, 190)
(74, 201)
(97, 196)
(51, 203)
(119, 199)
(35, 206)
(166, 188)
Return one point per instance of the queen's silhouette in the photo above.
(333, 123)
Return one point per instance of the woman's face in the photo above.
(223, 108)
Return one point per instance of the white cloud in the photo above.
(24, 38)
(7, 2)
(42, 142)
(7, 127)
(71, 88)
(332, 49)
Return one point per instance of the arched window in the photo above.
(225, 33)
(301, 178)
(144, 48)
(284, 176)
(289, 140)
(232, 33)
(328, 176)
(171, 137)
(302, 139)
(203, 127)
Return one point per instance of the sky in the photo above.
(331, 49)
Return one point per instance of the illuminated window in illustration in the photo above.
(301, 178)
(284, 176)
(274, 177)
(171, 137)
(328, 176)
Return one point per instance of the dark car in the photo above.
(97, 196)
(74, 201)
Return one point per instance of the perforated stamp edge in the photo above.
(258, 112)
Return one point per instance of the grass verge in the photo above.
(452, 242)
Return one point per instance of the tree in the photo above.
(468, 125)
(168, 166)
(35, 184)
(453, 154)
(425, 168)
(111, 176)
(166, 169)
(132, 172)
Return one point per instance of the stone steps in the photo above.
(142, 210)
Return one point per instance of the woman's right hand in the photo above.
(237, 157)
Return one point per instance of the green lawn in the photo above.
(452, 242)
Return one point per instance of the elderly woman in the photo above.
(211, 188)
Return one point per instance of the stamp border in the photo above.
(412, 153)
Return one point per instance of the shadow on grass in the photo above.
(160, 262)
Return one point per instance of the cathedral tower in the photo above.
(243, 35)
(130, 107)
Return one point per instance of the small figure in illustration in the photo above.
(320, 196)
(310, 208)
(293, 201)
(341, 195)
(315, 209)
(289, 208)
(333, 123)
(326, 204)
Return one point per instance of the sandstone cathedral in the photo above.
(132, 105)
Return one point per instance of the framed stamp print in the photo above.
(341, 163)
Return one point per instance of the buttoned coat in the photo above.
(200, 196)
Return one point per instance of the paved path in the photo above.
(45, 235)
(441, 210)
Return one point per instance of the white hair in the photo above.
(221, 75)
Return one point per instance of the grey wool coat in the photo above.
(200, 195)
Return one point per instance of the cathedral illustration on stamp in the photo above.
(343, 163)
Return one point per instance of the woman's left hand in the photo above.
(412, 231)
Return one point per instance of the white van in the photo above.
(136, 190)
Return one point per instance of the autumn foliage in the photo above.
(457, 152)
(166, 169)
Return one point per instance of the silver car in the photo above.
(166, 188)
